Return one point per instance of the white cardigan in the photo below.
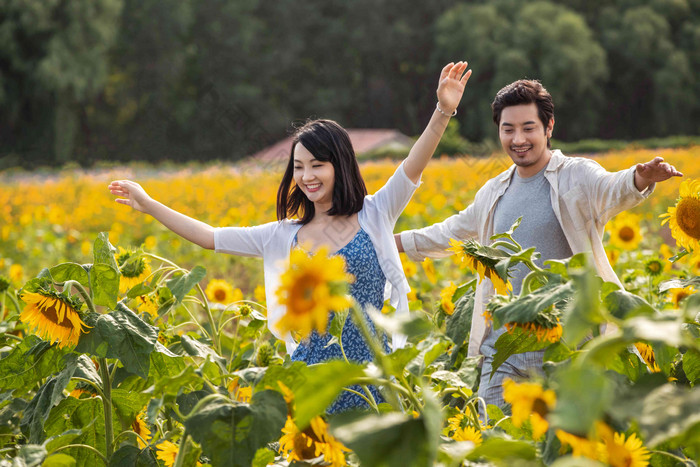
(273, 241)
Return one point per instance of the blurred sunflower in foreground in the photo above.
(607, 446)
(529, 401)
(684, 217)
(55, 316)
(134, 268)
(312, 287)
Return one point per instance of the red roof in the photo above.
(363, 140)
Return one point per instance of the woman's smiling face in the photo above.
(315, 178)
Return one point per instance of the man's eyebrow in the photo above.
(530, 122)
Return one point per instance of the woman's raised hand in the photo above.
(453, 79)
(131, 194)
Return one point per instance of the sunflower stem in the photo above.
(358, 393)
(182, 451)
(685, 461)
(514, 248)
(107, 404)
(12, 336)
(91, 383)
(376, 349)
(14, 301)
(79, 287)
(212, 323)
(130, 432)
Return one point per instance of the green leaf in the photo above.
(231, 434)
(31, 455)
(412, 325)
(103, 251)
(70, 271)
(59, 460)
(50, 393)
(131, 456)
(399, 358)
(583, 313)
(504, 450)
(338, 323)
(104, 282)
(28, 363)
(623, 304)
(139, 289)
(458, 324)
(291, 376)
(526, 308)
(517, 341)
(321, 384)
(264, 457)
(429, 348)
(182, 284)
(198, 349)
(666, 328)
(127, 337)
(86, 415)
(670, 414)
(580, 387)
(691, 365)
(386, 440)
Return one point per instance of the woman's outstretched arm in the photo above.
(188, 228)
(453, 79)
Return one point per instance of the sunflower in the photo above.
(167, 452)
(446, 298)
(148, 304)
(134, 268)
(313, 442)
(240, 393)
(312, 287)
(220, 291)
(468, 434)
(617, 451)
(613, 255)
(625, 232)
(581, 447)
(409, 267)
(139, 427)
(529, 400)
(654, 267)
(458, 421)
(647, 354)
(55, 316)
(679, 294)
(259, 294)
(684, 217)
(482, 264)
(543, 333)
(429, 269)
(16, 273)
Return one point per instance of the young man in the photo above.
(564, 202)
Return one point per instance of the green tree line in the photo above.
(121, 80)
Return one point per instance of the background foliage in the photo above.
(152, 80)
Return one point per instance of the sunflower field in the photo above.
(124, 345)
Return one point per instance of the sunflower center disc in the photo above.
(688, 217)
(626, 234)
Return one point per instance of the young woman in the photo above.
(322, 187)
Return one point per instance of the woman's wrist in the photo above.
(445, 111)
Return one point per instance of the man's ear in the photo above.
(550, 127)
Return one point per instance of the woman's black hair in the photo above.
(326, 141)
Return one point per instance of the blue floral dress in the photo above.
(367, 290)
